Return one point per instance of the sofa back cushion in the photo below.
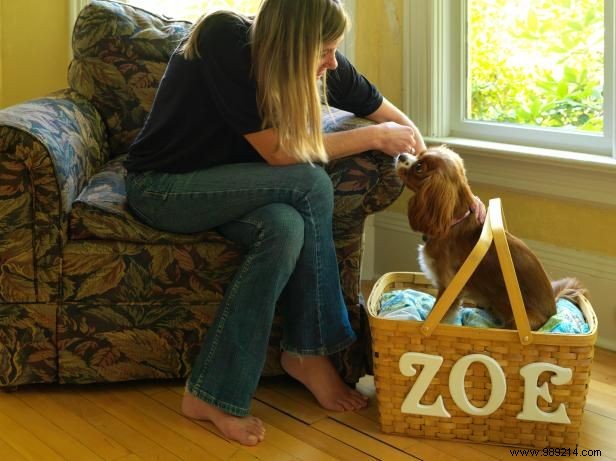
(120, 54)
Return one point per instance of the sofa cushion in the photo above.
(120, 54)
(101, 212)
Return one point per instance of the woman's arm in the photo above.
(387, 112)
(390, 137)
(393, 134)
(338, 145)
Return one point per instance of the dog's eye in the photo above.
(418, 167)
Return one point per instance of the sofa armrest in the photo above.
(368, 179)
(49, 147)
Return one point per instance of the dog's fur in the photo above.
(440, 210)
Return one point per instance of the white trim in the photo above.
(425, 27)
(610, 66)
(559, 174)
(347, 47)
(368, 245)
(1, 71)
(598, 272)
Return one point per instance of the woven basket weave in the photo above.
(511, 349)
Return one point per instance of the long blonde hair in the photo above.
(286, 39)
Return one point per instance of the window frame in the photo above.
(584, 142)
(428, 99)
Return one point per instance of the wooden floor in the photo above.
(136, 421)
(141, 421)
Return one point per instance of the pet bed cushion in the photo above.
(415, 305)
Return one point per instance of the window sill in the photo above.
(560, 174)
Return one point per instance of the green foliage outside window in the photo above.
(536, 62)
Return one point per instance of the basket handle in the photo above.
(493, 229)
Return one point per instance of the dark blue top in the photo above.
(203, 107)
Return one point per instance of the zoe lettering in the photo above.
(530, 373)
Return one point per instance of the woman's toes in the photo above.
(250, 440)
(354, 400)
(257, 428)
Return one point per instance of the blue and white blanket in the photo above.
(414, 305)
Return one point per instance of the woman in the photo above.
(233, 142)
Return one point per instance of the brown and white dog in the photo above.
(441, 209)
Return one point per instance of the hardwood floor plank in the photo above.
(265, 451)
(295, 447)
(45, 403)
(601, 399)
(147, 425)
(172, 399)
(294, 391)
(242, 455)
(205, 433)
(368, 445)
(314, 442)
(112, 426)
(371, 412)
(147, 404)
(177, 388)
(371, 429)
(604, 366)
(306, 413)
(130, 457)
(152, 387)
(420, 448)
(598, 432)
(45, 429)
(8, 452)
(451, 450)
(23, 441)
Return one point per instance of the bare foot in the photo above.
(246, 430)
(321, 378)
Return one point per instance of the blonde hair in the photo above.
(286, 38)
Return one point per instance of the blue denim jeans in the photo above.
(283, 217)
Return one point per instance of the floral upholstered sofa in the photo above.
(88, 293)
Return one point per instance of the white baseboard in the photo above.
(395, 250)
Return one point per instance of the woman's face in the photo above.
(327, 58)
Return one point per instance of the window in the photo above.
(526, 72)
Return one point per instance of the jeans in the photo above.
(283, 216)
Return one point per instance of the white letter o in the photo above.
(458, 393)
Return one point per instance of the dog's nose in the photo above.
(404, 159)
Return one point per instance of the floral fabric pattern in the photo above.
(120, 54)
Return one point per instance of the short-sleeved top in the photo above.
(205, 106)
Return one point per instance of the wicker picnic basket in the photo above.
(486, 385)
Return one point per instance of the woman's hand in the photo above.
(394, 138)
(479, 209)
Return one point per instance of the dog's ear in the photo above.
(431, 209)
(465, 194)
